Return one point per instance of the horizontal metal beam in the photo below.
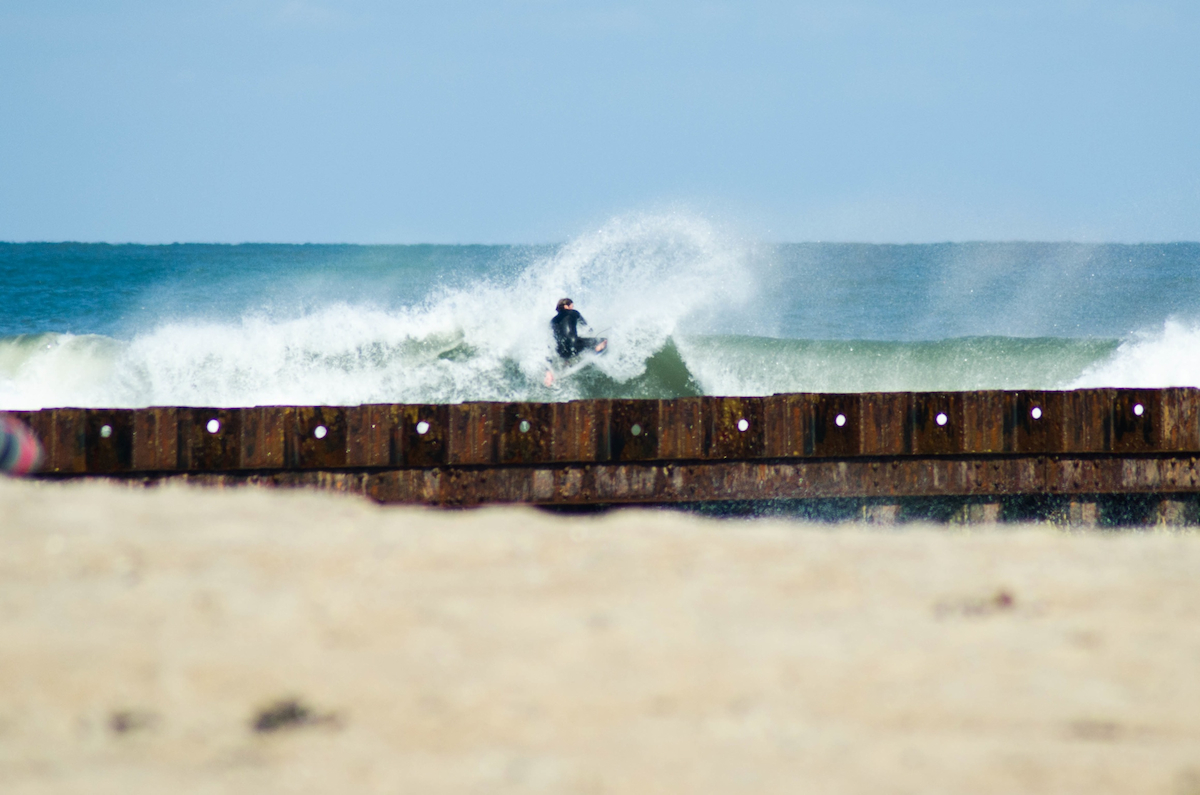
(786, 480)
(663, 483)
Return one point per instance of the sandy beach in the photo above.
(182, 640)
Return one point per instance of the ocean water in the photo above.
(689, 306)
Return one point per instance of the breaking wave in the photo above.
(1167, 357)
(667, 290)
(638, 280)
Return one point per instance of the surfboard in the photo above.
(557, 369)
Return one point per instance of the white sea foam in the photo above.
(1167, 357)
(56, 370)
(640, 276)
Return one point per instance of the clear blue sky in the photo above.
(506, 121)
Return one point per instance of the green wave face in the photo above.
(760, 366)
(666, 376)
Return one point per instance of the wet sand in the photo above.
(179, 640)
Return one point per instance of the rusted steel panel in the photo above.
(785, 421)
(835, 426)
(109, 440)
(155, 439)
(1025, 475)
(347, 482)
(374, 435)
(525, 433)
(690, 482)
(388, 434)
(878, 477)
(917, 479)
(977, 476)
(315, 437)
(984, 421)
(1181, 474)
(452, 487)
(263, 437)
(633, 430)
(980, 476)
(1138, 474)
(341, 481)
(626, 483)
(1034, 421)
(580, 430)
(359, 435)
(685, 430)
(756, 480)
(883, 423)
(464, 487)
(572, 434)
(1087, 424)
(935, 424)
(832, 478)
(210, 439)
(1136, 420)
(738, 429)
(1180, 420)
(474, 429)
(66, 451)
(417, 486)
(1075, 476)
(424, 434)
(570, 486)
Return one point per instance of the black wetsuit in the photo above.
(566, 334)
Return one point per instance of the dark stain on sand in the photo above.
(128, 721)
(1095, 730)
(289, 713)
(1001, 601)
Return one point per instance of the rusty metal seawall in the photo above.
(792, 446)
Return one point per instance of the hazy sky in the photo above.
(510, 121)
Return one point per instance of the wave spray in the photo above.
(637, 278)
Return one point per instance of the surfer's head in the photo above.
(564, 303)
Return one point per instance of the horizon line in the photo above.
(967, 242)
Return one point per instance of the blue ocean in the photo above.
(689, 307)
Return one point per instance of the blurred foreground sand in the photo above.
(506, 650)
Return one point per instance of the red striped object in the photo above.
(20, 452)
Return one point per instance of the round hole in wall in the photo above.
(743, 424)
(422, 427)
(1036, 412)
(1139, 409)
(105, 431)
(320, 431)
(839, 420)
(636, 430)
(213, 425)
(941, 418)
(524, 426)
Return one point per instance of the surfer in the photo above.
(567, 341)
